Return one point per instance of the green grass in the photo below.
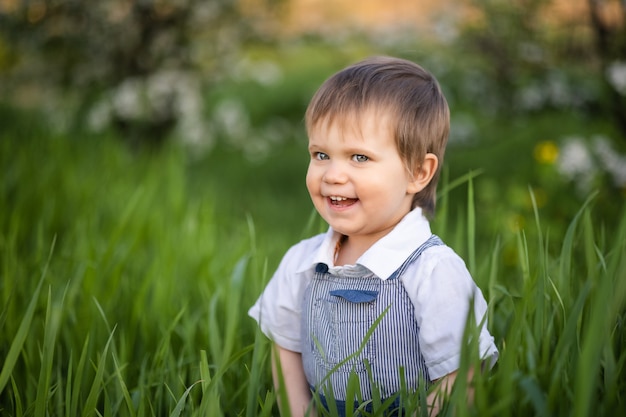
(126, 279)
(139, 277)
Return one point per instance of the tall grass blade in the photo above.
(209, 405)
(50, 333)
(608, 303)
(68, 385)
(125, 217)
(493, 280)
(22, 331)
(540, 281)
(443, 206)
(534, 393)
(233, 307)
(90, 407)
(358, 351)
(78, 380)
(567, 249)
(181, 402)
(267, 405)
(125, 393)
(471, 227)
(522, 251)
(259, 356)
(19, 408)
(447, 187)
(216, 341)
(567, 343)
(233, 359)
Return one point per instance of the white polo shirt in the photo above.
(438, 284)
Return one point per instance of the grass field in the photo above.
(125, 276)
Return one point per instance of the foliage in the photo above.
(126, 274)
(126, 278)
(136, 282)
(538, 56)
(137, 62)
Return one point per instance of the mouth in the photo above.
(338, 201)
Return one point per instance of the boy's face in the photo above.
(356, 178)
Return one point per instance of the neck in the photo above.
(349, 250)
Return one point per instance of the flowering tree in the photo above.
(538, 54)
(608, 19)
(136, 64)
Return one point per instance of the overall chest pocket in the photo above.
(342, 319)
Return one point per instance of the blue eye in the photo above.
(320, 156)
(360, 158)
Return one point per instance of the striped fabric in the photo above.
(341, 311)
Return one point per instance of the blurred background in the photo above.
(153, 155)
(537, 90)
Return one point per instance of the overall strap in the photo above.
(433, 240)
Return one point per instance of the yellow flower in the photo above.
(546, 152)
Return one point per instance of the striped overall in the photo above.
(363, 326)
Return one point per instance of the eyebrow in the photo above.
(347, 151)
(360, 151)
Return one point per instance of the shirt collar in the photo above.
(387, 254)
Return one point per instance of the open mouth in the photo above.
(338, 201)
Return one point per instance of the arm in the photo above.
(295, 383)
(443, 389)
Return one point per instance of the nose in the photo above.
(335, 173)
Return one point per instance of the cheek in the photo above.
(311, 183)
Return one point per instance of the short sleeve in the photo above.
(278, 308)
(443, 291)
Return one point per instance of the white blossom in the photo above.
(231, 116)
(264, 72)
(616, 76)
(582, 161)
(127, 101)
(531, 97)
(167, 94)
(576, 163)
(99, 116)
(610, 160)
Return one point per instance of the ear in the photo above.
(423, 174)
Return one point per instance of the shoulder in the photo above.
(438, 268)
(441, 257)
